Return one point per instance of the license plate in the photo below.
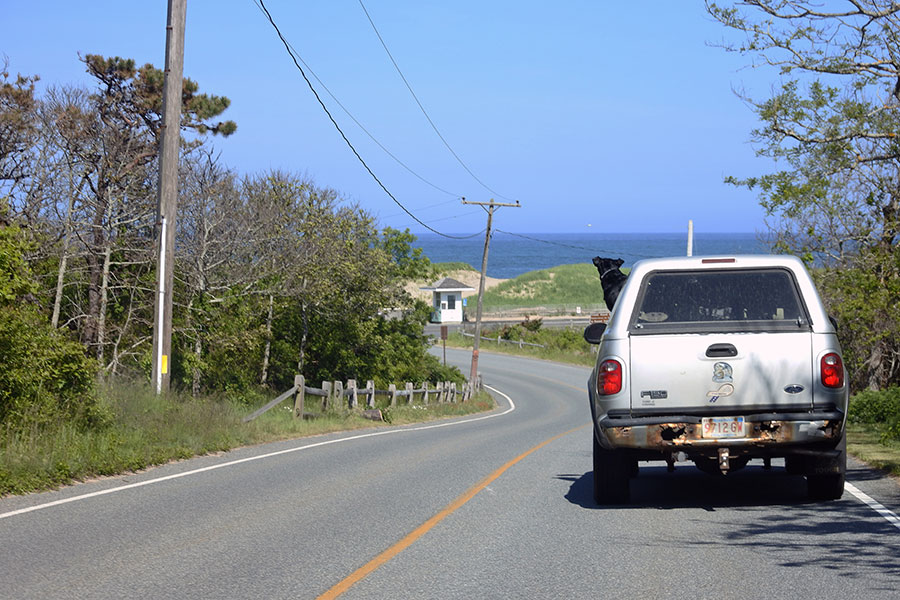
(723, 427)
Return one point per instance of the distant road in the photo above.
(434, 329)
(491, 506)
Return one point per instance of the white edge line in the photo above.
(889, 516)
(122, 488)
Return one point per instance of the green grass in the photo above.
(566, 284)
(148, 430)
(561, 345)
(417, 413)
(865, 443)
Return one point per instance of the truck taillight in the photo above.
(832, 371)
(609, 378)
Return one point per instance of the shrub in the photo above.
(878, 408)
(513, 333)
(892, 433)
(44, 376)
(532, 325)
(875, 407)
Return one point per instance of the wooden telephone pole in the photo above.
(473, 374)
(170, 136)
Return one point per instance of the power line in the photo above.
(421, 208)
(366, 131)
(287, 46)
(422, 108)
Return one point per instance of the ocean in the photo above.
(510, 255)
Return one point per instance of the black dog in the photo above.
(611, 278)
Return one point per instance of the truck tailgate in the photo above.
(721, 373)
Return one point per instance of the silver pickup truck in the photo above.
(719, 361)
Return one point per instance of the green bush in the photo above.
(881, 408)
(892, 433)
(873, 407)
(532, 325)
(513, 333)
(44, 376)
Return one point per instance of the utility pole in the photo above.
(170, 136)
(473, 374)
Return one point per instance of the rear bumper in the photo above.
(685, 432)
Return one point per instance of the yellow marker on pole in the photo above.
(164, 365)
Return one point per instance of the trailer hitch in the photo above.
(723, 460)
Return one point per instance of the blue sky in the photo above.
(597, 116)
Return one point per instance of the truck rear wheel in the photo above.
(795, 465)
(612, 474)
(825, 477)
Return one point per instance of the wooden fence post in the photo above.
(453, 392)
(392, 389)
(425, 393)
(338, 395)
(299, 395)
(409, 391)
(354, 399)
(326, 399)
(370, 394)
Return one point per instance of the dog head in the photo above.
(605, 265)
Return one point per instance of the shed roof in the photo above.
(447, 284)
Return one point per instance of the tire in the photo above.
(825, 477)
(612, 474)
(795, 465)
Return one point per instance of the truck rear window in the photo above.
(720, 300)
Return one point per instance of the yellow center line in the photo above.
(425, 527)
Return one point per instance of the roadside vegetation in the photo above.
(570, 285)
(874, 428)
(275, 276)
(142, 429)
(563, 345)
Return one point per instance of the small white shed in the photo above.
(447, 300)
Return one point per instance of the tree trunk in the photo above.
(195, 375)
(95, 270)
(268, 348)
(303, 338)
(64, 258)
(874, 369)
(104, 297)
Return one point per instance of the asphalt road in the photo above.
(496, 506)
(434, 329)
